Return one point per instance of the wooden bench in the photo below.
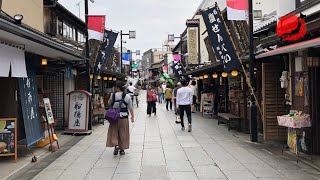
(233, 122)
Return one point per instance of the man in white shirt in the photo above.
(130, 90)
(184, 102)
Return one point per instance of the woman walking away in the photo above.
(194, 95)
(168, 97)
(160, 92)
(184, 101)
(118, 133)
(151, 101)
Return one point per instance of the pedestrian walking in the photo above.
(174, 97)
(194, 95)
(160, 93)
(131, 90)
(118, 133)
(151, 101)
(164, 86)
(184, 102)
(168, 97)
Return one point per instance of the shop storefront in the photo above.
(33, 67)
(290, 91)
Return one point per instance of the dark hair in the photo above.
(130, 83)
(168, 86)
(193, 83)
(184, 82)
(120, 85)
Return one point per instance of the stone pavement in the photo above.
(160, 150)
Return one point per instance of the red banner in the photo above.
(96, 27)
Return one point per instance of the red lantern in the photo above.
(291, 27)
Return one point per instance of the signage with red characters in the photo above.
(291, 27)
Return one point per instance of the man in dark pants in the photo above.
(184, 102)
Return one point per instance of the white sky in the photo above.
(153, 20)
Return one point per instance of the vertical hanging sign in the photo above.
(192, 46)
(105, 50)
(30, 104)
(220, 39)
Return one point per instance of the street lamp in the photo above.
(132, 35)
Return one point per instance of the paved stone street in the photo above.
(160, 150)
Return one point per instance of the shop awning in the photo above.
(35, 41)
(204, 69)
(291, 48)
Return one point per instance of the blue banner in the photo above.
(220, 39)
(105, 50)
(29, 103)
(126, 58)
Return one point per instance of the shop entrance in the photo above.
(315, 108)
(272, 101)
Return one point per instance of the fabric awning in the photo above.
(14, 58)
(291, 48)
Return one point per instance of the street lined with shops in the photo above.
(160, 150)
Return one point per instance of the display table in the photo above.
(295, 124)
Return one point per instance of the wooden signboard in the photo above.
(8, 137)
(48, 109)
(78, 111)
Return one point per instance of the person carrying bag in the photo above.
(118, 116)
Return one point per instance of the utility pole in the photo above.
(78, 4)
(121, 51)
(86, 9)
(253, 107)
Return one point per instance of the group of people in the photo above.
(182, 98)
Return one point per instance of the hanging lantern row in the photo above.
(233, 73)
(104, 78)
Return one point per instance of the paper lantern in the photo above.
(98, 77)
(201, 77)
(44, 61)
(234, 73)
(215, 75)
(206, 76)
(105, 78)
(197, 78)
(110, 78)
(114, 79)
(224, 74)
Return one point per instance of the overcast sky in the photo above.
(152, 19)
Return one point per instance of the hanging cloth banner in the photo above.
(237, 9)
(177, 57)
(30, 104)
(220, 39)
(96, 26)
(178, 70)
(14, 58)
(105, 50)
(126, 58)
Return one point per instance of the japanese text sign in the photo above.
(30, 104)
(78, 111)
(105, 50)
(178, 70)
(220, 40)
